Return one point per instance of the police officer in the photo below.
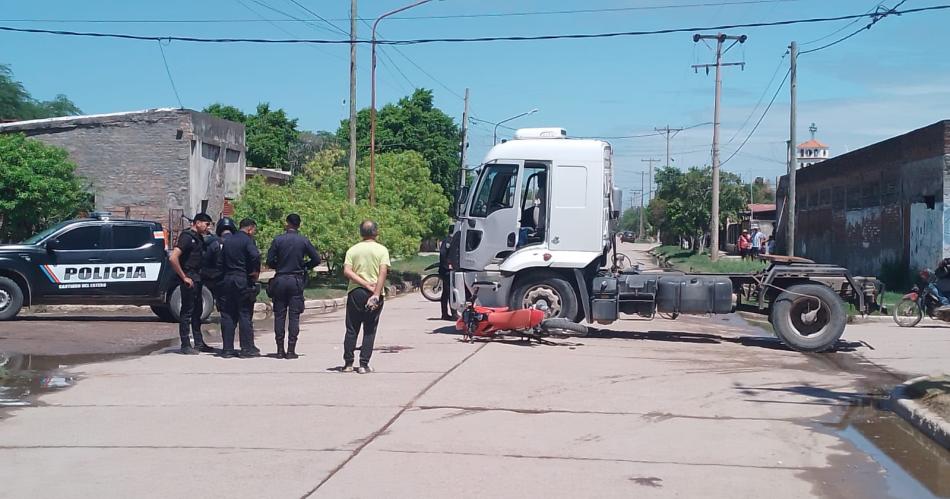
(186, 261)
(211, 261)
(240, 268)
(286, 256)
(445, 268)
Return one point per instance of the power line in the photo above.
(419, 41)
(846, 26)
(169, 73)
(318, 16)
(877, 16)
(764, 113)
(755, 108)
(286, 14)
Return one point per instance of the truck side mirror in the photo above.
(616, 202)
(460, 201)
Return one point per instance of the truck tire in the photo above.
(174, 303)
(792, 324)
(11, 298)
(163, 312)
(550, 290)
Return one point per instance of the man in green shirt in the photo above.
(366, 265)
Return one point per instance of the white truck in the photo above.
(536, 229)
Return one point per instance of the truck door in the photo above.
(76, 259)
(135, 259)
(491, 230)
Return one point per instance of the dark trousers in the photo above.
(356, 317)
(192, 307)
(288, 295)
(235, 313)
(446, 292)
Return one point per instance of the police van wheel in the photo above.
(163, 312)
(11, 298)
(174, 304)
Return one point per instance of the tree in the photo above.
(305, 148)
(682, 207)
(413, 124)
(38, 187)
(16, 103)
(269, 134)
(408, 204)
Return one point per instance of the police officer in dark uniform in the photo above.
(240, 268)
(286, 256)
(445, 268)
(211, 261)
(186, 260)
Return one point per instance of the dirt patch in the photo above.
(934, 394)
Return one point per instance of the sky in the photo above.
(885, 81)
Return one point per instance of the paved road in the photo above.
(695, 407)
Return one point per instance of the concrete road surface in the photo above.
(698, 407)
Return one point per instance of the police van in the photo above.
(93, 261)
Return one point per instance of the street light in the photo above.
(372, 118)
(494, 135)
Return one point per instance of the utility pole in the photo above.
(670, 133)
(792, 151)
(650, 190)
(720, 39)
(351, 178)
(464, 144)
(640, 236)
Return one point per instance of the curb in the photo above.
(319, 307)
(920, 417)
(873, 319)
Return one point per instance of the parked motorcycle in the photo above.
(431, 284)
(919, 301)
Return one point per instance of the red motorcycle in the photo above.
(477, 321)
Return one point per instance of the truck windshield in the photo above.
(35, 238)
(496, 190)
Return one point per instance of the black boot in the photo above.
(280, 350)
(291, 354)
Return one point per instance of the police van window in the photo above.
(80, 238)
(130, 236)
(496, 190)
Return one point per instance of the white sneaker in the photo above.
(364, 370)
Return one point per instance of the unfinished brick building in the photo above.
(157, 164)
(880, 210)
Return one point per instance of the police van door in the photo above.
(490, 232)
(76, 258)
(136, 254)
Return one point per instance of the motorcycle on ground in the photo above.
(920, 301)
(477, 321)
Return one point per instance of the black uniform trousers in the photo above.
(288, 295)
(192, 307)
(446, 292)
(235, 314)
(356, 317)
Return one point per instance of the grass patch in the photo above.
(322, 287)
(687, 261)
(414, 265)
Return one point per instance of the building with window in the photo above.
(812, 151)
(879, 210)
(158, 164)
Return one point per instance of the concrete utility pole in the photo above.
(464, 144)
(651, 161)
(670, 133)
(640, 234)
(351, 178)
(720, 39)
(792, 151)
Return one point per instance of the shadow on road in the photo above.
(89, 318)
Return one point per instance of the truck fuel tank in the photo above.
(694, 294)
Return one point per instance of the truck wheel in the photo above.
(11, 298)
(163, 312)
(809, 317)
(174, 304)
(547, 291)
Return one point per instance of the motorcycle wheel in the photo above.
(431, 287)
(907, 313)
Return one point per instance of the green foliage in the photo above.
(408, 204)
(683, 201)
(269, 134)
(413, 124)
(687, 261)
(630, 221)
(16, 103)
(38, 187)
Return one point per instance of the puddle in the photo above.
(25, 377)
(913, 464)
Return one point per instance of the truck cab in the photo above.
(541, 208)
